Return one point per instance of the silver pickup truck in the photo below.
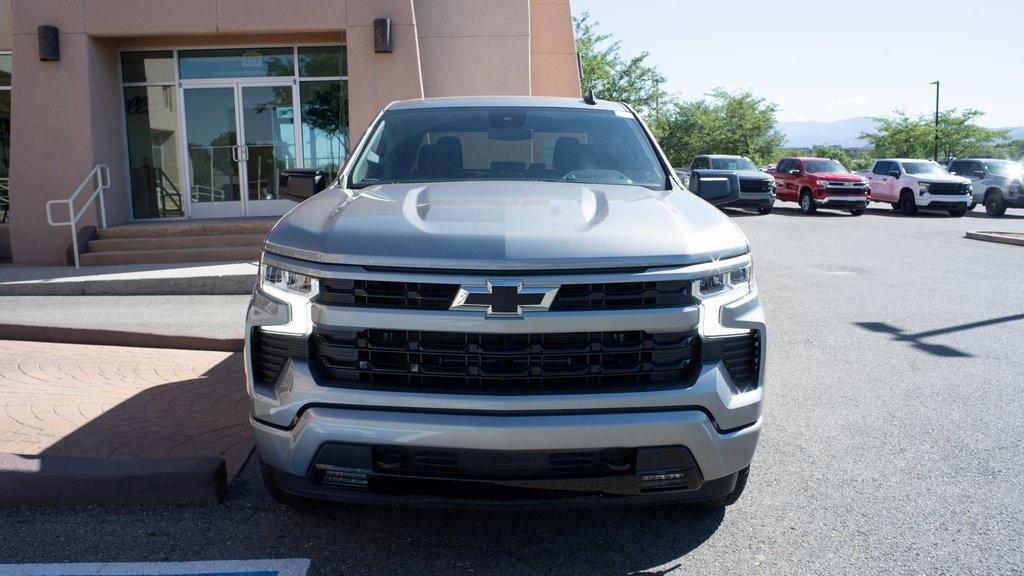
(506, 302)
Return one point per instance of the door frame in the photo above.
(243, 207)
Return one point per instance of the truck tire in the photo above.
(907, 205)
(764, 210)
(279, 495)
(730, 498)
(958, 213)
(856, 211)
(994, 204)
(807, 202)
(972, 205)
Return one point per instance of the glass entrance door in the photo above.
(240, 137)
(214, 154)
(268, 145)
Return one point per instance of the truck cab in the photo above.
(996, 183)
(911, 184)
(820, 183)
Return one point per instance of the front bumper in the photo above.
(714, 419)
(943, 201)
(753, 200)
(843, 202)
(719, 456)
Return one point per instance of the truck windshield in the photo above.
(923, 168)
(824, 167)
(732, 164)
(1004, 167)
(508, 143)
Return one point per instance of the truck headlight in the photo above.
(291, 293)
(719, 289)
(922, 187)
(278, 280)
(822, 184)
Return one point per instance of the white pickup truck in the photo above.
(910, 185)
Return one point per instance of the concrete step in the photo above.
(211, 227)
(225, 254)
(176, 242)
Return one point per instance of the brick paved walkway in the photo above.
(119, 402)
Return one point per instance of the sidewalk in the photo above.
(195, 278)
(153, 407)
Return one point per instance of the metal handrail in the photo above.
(100, 178)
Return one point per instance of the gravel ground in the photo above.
(892, 444)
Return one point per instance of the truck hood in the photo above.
(506, 226)
(941, 178)
(753, 175)
(837, 176)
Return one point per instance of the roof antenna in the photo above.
(589, 98)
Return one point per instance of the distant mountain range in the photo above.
(845, 133)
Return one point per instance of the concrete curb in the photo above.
(205, 285)
(1000, 237)
(116, 338)
(73, 481)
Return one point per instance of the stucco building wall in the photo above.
(74, 116)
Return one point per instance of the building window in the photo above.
(151, 119)
(323, 97)
(5, 138)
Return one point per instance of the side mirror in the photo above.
(794, 172)
(717, 187)
(894, 173)
(978, 173)
(298, 184)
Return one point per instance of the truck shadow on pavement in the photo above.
(916, 339)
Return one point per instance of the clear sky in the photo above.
(831, 60)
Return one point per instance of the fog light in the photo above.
(664, 481)
(344, 477)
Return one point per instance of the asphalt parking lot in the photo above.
(892, 442)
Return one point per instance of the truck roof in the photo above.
(903, 160)
(803, 158)
(721, 156)
(504, 101)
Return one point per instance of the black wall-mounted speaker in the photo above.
(49, 43)
(383, 41)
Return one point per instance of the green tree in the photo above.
(914, 137)
(615, 77)
(721, 123)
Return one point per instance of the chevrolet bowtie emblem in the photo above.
(504, 298)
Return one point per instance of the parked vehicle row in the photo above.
(907, 184)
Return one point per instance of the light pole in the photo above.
(936, 158)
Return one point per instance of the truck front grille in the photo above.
(421, 296)
(950, 188)
(756, 186)
(505, 363)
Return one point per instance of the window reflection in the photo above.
(324, 124)
(152, 122)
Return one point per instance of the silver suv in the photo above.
(506, 302)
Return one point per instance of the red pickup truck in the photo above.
(819, 183)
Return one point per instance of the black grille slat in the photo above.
(741, 356)
(423, 296)
(270, 351)
(505, 363)
(434, 462)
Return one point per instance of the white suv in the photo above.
(910, 185)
